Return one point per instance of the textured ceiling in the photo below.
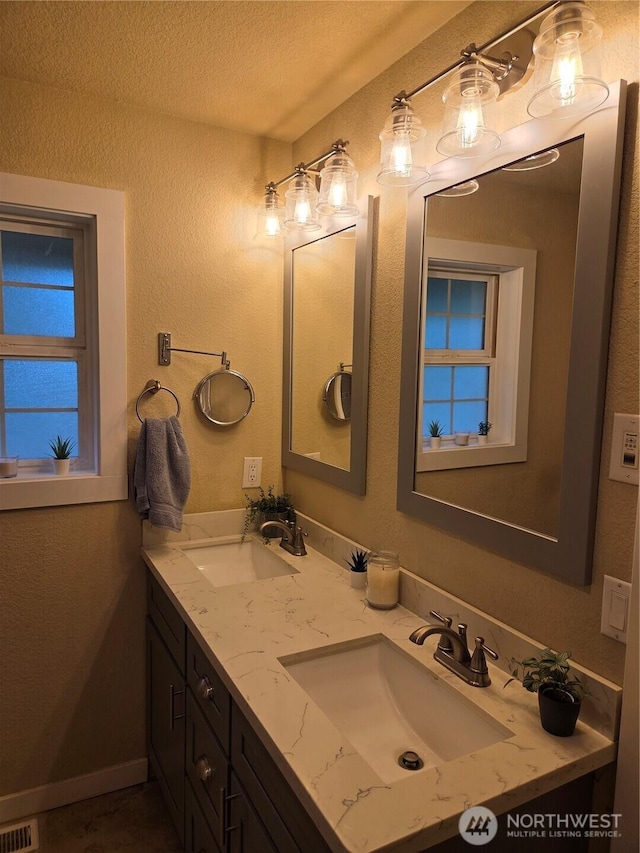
(267, 67)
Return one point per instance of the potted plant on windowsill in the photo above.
(358, 568)
(435, 431)
(61, 449)
(483, 431)
(267, 507)
(559, 695)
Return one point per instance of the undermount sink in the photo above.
(232, 561)
(388, 706)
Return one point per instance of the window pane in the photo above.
(466, 333)
(470, 382)
(32, 311)
(34, 384)
(440, 412)
(437, 383)
(436, 333)
(467, 416)
(37, 258)
(468, 297)
(29, 433)
(437, 290)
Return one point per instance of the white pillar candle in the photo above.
(383, 578)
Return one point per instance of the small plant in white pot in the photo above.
(61, 450)
(559, 694)
(435, 431)
(483, 431)
(358, 568)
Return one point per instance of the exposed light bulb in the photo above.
(272, 224)
(470, 122)
(302, 211)
(567, 68)
(397, 161)
(401, 159)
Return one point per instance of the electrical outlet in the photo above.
(252, 472)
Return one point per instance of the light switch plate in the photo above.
(616, 600)
(625, 448)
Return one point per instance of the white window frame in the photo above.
(510, 373)
(103, 211)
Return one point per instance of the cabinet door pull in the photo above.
(205, 689)
(204, 770)
(225, 799)
(173, 716)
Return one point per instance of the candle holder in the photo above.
(8, 467)
(383, 580)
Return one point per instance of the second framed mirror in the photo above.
(327, 286)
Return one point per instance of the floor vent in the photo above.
(19, 838)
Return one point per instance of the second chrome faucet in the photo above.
(453, 651)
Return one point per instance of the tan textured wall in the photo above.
(542, 607)
(72, 603)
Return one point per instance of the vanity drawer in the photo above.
(284, 817)
(207, 769)
(168, 622)
(209, 691)
(198, 838)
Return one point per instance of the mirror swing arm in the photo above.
(569, 556)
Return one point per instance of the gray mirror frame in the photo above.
(353, 480)
(570, 556)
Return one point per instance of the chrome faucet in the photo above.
(453, 652)
(292, 536)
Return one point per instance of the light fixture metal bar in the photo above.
(338, 145)
(405, 96)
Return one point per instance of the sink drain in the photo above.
(410, 760)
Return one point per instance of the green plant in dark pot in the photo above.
(358, 568)
(268, 506)
(560, 694)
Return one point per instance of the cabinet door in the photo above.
(166, 692)
(198, 835)
(245, 833)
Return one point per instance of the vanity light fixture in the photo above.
(303, 203)
(567, 64)
(300, 203)
(270, 213)
(566, 76)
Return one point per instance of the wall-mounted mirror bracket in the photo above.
(165, 349)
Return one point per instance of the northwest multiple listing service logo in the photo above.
(479, 825)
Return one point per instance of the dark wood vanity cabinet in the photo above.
(166, 692)
(222, 788)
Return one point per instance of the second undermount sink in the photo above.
(388, 706)
(231, 561)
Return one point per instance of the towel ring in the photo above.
(152, 387)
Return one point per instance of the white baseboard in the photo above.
(36, 800)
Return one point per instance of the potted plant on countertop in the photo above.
(267, 507)
(61, 449)
(559, 694)
(483, 431)
(358, 568)
(435, 431)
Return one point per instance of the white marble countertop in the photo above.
(247, 628)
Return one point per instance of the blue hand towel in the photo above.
(162, 472)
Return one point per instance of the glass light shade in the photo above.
(468, 113)
(300, 205)
(534, 161)
(398, 163)
(270, 215)
(338, 187)
(567, 64)
(465, 188)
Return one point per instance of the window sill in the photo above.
(38, 490)
(472, 455)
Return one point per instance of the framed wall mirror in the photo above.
(327, 287)
(505, 328)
